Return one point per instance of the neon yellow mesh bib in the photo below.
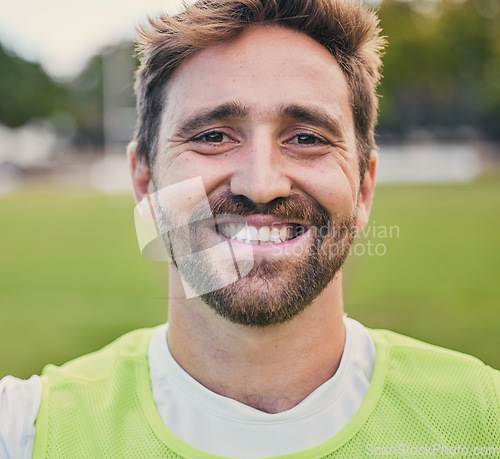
(101, 405)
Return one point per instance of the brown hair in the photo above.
(345, 28)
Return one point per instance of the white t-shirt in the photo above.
(209, 421)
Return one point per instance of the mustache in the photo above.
(293, 207)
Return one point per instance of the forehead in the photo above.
(265, 68)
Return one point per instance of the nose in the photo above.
(261, 173)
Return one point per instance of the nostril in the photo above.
(260, 190)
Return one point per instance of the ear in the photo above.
(141, 175)
(366, 192)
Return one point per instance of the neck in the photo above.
(271, 369)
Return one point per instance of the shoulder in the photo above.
(19, 402)
(22, 401)
(93, 397)
(495, 374)
(132, 346)
(396, 342)
(444, 372)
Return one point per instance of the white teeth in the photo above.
(239, 232)
(252, 233)
(283, 233)
(275, 235)
(264, 235)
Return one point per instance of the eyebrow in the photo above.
(234, 110)
(229, 110)
(313, 116)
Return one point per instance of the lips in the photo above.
(277, 233)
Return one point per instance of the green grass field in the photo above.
(72, 278)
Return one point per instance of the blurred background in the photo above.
(71, 274)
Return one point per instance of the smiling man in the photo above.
(255, 157)
(273, 139)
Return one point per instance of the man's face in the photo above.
(266, 122)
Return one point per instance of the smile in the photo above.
(261, 235)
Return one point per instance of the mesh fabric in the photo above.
(101, 405)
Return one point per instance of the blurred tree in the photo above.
(86, 104)
(442, 67)
(26, 92)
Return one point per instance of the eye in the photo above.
(212, 137)
(308, 139)
(214, 142)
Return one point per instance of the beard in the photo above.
(273, 291)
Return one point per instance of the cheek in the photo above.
(183, 186)
(186, 166)
(333, 190)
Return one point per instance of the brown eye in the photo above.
(215, 137)
(306, 139)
